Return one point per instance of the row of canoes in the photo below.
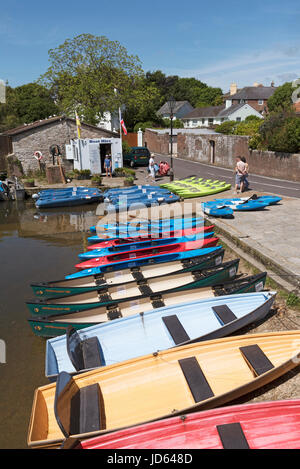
(140, 352)
(194, 186)
(225, 208)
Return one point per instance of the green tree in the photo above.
(85, 73)
(281, 132)
(282, 98)
(227, 127)
(26, 104)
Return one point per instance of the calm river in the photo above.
(34, 246)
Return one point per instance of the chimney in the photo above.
(233, 88)
(256, 84)
(272, 84)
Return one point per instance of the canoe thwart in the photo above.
(84, 353)
(224, 314)
(81, 413)
(114, 313)
(176, 329)
(232, 436)
(256, 359)
(195, 378)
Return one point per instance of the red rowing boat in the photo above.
(148, 252)
(164, 234)
(262, 425)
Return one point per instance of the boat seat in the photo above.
(84, 353)
(157, 301)
(114, 313)
(145, 289)
(195, 378)
(77, 412)
(104, 297)
(176, 329)
(256, 359)
(232, 436)
(138, 276)
(224, 314)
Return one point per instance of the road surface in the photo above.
(183, 168)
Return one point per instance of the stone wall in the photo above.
(221, 150)
(42, 137)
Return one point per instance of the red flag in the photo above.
(122, 124)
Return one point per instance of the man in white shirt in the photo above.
(240, 174)
(151, 166)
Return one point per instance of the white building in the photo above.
(215, 115)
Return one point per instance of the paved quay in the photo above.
(268, 239)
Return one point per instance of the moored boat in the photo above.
(51, 326)
(158, 329)
(135, 290)
(66, 287)
(260, 425)
(205, 375)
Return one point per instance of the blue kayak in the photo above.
(145, 224)
(157, 329)
(214, 211)
(142, 244)
(269, 199)
(115, 266)
(68, 200)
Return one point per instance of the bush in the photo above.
(227, 127)
(97, 179)
(126, 148)
(281, 132)
(123, 172)
(128, 181)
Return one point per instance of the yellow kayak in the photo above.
(173, 382)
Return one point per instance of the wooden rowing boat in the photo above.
(78, 285)
(178, 381)
(262, 425)
(51, 326)
(136, 289)
(158, 329)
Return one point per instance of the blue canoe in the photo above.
(68, 190)
(145, 224)
(142, 244)
(224, 212)
(144, 261)
(269, 199)
(159, 329)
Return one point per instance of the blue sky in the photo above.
(215, 41)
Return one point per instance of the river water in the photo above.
(34, 247)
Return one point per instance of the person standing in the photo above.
(152, 167)
(239, 175)
(246, 182)
(107, 165)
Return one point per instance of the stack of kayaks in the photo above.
(196, 187)
(139, 342)
(136, 197)
(226, 207)
(67, 197)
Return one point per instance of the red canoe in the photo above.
(164, 234)
(148, 252)
(263, 425)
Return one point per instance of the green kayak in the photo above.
(196, 187)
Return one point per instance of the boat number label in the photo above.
(232, 272)
(218, 260)
(259, 286)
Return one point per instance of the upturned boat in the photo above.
(51, 326)
(66, 287)
(181, 380)
(159, 329)
(134, 290)
(105, 251)
(261, 425)
(148, 252)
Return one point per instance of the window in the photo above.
(238, 119)
(260, 102)
(203, 121)
(242, 101)
(210, 121)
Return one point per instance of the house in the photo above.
(181, 108)
(25, 140)
(215, 115)
(257, 96)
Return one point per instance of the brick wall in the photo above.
(158, 143)
(41, 138)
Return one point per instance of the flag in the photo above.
(78, 124)
(122, 124)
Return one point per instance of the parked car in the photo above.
(138, 156)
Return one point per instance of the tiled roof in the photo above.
(40, 123)
(165, 107)
(210, 111)
(254, 92)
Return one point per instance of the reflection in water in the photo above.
(34, 246)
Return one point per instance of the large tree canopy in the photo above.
(85, 73)
(26, 104)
